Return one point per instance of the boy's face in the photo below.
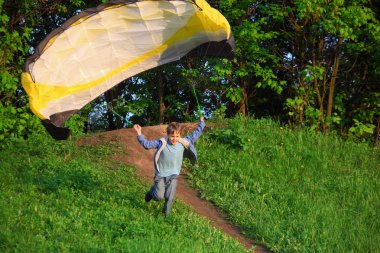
(174, 137)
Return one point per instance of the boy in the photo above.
(168, 160)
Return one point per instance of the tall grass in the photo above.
(56, 197)
(294, 191)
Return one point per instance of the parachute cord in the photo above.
(129, 123)
(194, 91)
(196, 99)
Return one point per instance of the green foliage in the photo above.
(294, 191)
(76, 123)
(234, 94)
(57, 197)
(254, 65)
(285, 53)
(15, 119)
(360, 131)
(308, 44)
(236, 135)
(311, 73)
(136, 107)
(219, 114)
(364, 117)
(16, 123)
(269, 79)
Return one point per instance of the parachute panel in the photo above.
(91, 54)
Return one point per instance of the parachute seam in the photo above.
(193, 2)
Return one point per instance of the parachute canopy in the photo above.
(102, 46)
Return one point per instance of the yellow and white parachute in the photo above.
(102, 46)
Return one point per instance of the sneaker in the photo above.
(148, 197)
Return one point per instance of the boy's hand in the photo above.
(137, 127)
(202, 118)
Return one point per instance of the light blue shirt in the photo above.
(170, 160)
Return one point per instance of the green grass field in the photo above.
(295, 191)
(56, 197)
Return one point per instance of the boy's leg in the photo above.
(170, 190)
(157, 191)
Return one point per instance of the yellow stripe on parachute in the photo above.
(101, 47)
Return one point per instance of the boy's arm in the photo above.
(147, 144)
(197, 132)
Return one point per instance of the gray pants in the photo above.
(164, 187)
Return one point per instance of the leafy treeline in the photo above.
(310, 62)
(307, 63)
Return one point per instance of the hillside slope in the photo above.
(135, 155)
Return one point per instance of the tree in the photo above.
(325, 47)
(315, 63)
(254, 66)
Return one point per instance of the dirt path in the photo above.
(142, 159)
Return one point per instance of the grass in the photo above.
(56, 197)
(294, 191)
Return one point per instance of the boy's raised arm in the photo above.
(147, 144)
(198, 131)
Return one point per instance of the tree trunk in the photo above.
(330, 101)
(316, 81)
(161, 116)
(110, 96)
(244, 99)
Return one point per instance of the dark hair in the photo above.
(173, 127)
